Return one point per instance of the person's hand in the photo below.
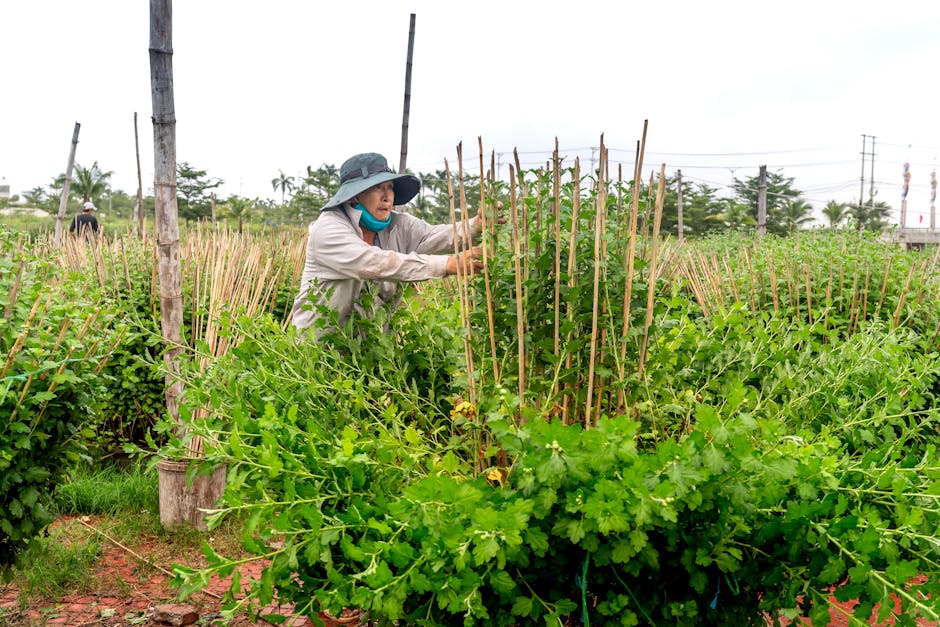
(500, 218)
(469, 261)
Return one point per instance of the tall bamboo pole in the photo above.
(64, 198)
(164, 186)
(520, 307)
(651, 273)
(630, 257)
(485, 229)
(407, 107)
(601, 200)
(139, 207)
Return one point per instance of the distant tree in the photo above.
(793, 215)
(733, 215)
(87, 183)
(193, 189)
(835, 212)
(284, 183)
(314, 190)
(871, 217)
(779, 190)
(36, 197)
(700, 204)
(240, 209)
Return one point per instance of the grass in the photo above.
(97, 507)
(108, 490)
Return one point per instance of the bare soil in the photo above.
(126, 584)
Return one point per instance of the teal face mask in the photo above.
(368, 222)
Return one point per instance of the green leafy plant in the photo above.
(668, 459)
(53, 344)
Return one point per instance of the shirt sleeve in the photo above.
(341, 254)
(435, 239)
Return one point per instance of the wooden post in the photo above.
(181, 503)
(64, 198)
(139, 207)
(407, 111)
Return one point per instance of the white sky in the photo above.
(283, 84)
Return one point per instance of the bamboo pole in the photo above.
(139, 222)
(64, 197)
(461, 291)
(168, 245)
(600, 201)
(630, 257)
(488, 233)
(651, 273)
(520, 309)
(572, 275)
(556, 192)
(407, 106)
(465, 221)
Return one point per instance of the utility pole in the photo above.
(861, 191)
(762, 202)
(871, 192)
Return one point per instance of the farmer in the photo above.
(85, 223)
(358, 243)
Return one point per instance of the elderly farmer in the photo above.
(359, 243)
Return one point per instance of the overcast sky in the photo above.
(263, 87)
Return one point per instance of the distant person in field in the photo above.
(85, 223)
(359, 244)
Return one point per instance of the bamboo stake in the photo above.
(520, 331)
(903, 295)
(556, 192)
(651, 288)
(598, 215)
(629, 258)
(466, 240)
(572, 275)
(884, 287)
(461, 292)
(484, 228)
(809, 296)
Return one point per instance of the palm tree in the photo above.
(735, 215)
(794, 214)
(835, 212)
(90, 183)
(239, 208)
(284, 183)
(871, 217)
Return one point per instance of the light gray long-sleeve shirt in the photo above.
(339, 263)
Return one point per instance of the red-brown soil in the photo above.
(124, 590)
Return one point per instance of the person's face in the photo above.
(379, 200)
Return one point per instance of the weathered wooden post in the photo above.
(64, 198)
(181, 503)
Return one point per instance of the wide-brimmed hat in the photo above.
(362, 171)
(89, 206)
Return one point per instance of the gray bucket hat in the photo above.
(362, 171)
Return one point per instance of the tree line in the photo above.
(300, 198)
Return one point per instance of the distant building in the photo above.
(4, 191)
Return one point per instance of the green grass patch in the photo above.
(108, 490)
